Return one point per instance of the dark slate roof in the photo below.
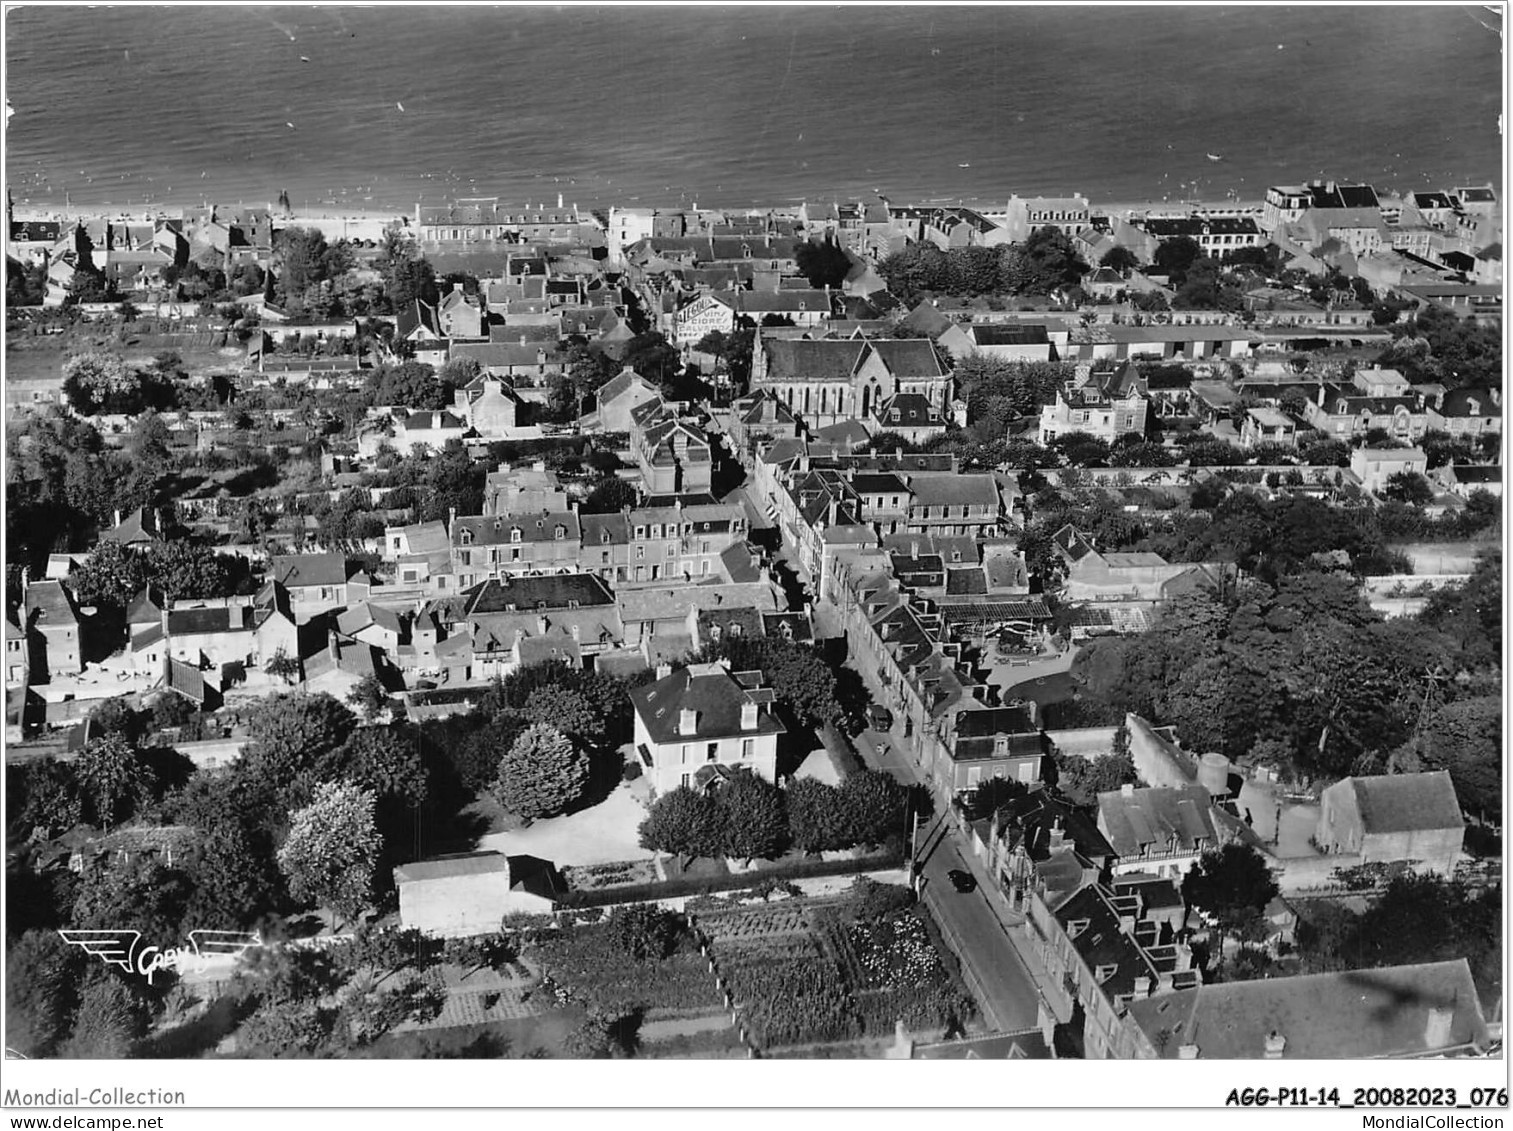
(1475, 473)
(1155, 816)
(295, 570)
(995, 720)
(183, 622)
(492, 530)
(909, 357)
(711, 692)
(1458, 402)
(147, 606)
(1104, 943)
(1073, 544)
(51, 602)
(823, 360)
(413, 317)
(549, 591)
(1394, 803)
(965, 581)
(914, 411)
(996, 334)
(1343, 196)
(1352, 1014)
(596, 526)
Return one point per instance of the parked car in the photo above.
(879, 718)
(962, 881)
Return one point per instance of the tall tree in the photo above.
(293, 738)
(541, 774)
(754, 818)
(875, 805)
(112, 776)
(683, 823)
(112, 576)
(822, 263)
(42, 975)
(817, 819)
(332, 850)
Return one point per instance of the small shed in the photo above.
(470, 893)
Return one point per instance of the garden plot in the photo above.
(804, 972)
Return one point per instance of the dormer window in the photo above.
(466, 537)
(559, 532)
(1077, 926)
(1104, 973)
(514, 534)
(604, 537)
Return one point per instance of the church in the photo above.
(834, 379)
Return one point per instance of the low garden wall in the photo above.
(713, 885)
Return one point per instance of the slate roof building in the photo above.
(1158, 829)
(703, 717)
(830, 380)
(1394, 817)
(1389, 1013)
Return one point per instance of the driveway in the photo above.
(604, 834)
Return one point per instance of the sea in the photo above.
(383, 108)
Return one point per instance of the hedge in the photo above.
(712, 885)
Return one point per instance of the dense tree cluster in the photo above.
(1044, 263)
(1436, 345)
(1306, 677)
(748, 818)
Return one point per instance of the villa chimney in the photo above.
(456, 288)
(748, 715)
(1187, 1052)
(1127, 789)
(688, 721)
(451, 517)
(1275, 1044)
(1319, 399)
(1437, 1027)
(664, 670)
(118, 516)
(1057, 837)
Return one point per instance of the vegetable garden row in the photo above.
(804, 972)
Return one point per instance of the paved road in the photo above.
(976, 933)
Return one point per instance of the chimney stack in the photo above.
(688, 721)
(1275, 1044)
(664, 670)
(748, 715)
(1127, 789)
(1187, 1052)
(1437, 1027)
